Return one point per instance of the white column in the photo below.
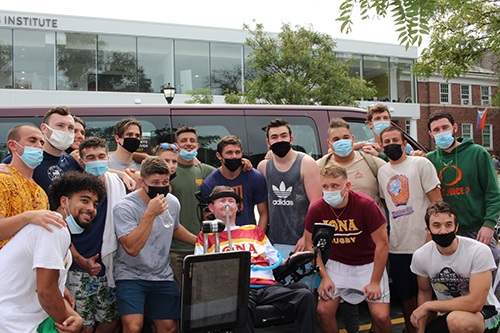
(413, 129)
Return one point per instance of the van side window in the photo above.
(361, 131)
(304, 132)
(210, 130)
(6, 124)
(155, 130)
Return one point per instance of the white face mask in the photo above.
(59, 139)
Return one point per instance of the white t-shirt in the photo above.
(450, 275)
(404, 187)
(361, 176)
(32, 247)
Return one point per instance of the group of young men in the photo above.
(99, 254)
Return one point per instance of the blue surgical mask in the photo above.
(97, 168)
(380, 126)
(342, 147)
(444, 140)
(188, 155)
(31, 156)
(74, 227)
(333, 198)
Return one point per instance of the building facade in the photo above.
(66, 60)
(462, 97)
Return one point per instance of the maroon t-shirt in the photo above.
(352, 243)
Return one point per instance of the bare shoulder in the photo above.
(262, 166)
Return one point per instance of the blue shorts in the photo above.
(161, 299)
(404, 280)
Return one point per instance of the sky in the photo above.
(223, 13)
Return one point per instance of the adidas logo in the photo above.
(282, 192)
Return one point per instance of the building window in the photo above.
(226, 68)
(488, 137)
(6, 58)
(76, 61)
(192, 65)
(34, 59)
(467, 131)
(401, 80)
(155, 59)
(376, 71)
(485, 95)
(407, 125)
(465, 94)
(444, 89)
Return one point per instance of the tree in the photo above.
(200, 96)
(299, 67)
(462, 32)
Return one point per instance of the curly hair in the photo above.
(75, 182)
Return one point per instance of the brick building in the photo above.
(462, 97)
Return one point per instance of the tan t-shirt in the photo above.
(360, 175)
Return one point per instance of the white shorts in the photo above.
(355, 277)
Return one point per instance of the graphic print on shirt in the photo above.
(282, 193)
(449, 283)
(449, 176)
(239, 191)
(345, 231)
(398, 188)
(54, 172)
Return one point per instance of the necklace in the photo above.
(333, 210)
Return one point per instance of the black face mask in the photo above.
(393, 151)
(154, 190)
(172, 176)
(131, 144)
(444, 240)
(232, 164)
(281, 148)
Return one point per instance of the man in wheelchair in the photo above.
(264, 290)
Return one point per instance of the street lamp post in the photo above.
(169, 93)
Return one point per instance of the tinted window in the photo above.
(305, 136)
(155, 130)
(6, 124)
(210, 130)
(361, 131)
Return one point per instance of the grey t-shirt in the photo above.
(152, 263)
(116, 164)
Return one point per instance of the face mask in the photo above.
(188, 155)
(97, 168)
(444, 240)
(333, 198)
(232, 164)
(342, 147)
(74, 227)
(154, 190)
(172, 176)
(444, 140)
(31, 156)
(131, 144)
(281, 148)
(59, 139)
(393, 151)
(380, 126)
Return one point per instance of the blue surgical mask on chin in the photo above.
(188, 155)
(97, 168)
(342, 147)
(333, 198)
(444, 140)
(380, 126)
(74, 227)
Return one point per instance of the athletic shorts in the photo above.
(94, 300)
(404, 280)
(161, 299)
(355, 277)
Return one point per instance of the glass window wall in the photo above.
(76, 61)
(353, 61)
(155, 58)
(6, 58)
(226, 68)
(117, 65)
(34, 59)
(191, 65)
(376, 71)
(401, 80)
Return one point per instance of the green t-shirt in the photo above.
(184, 186)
